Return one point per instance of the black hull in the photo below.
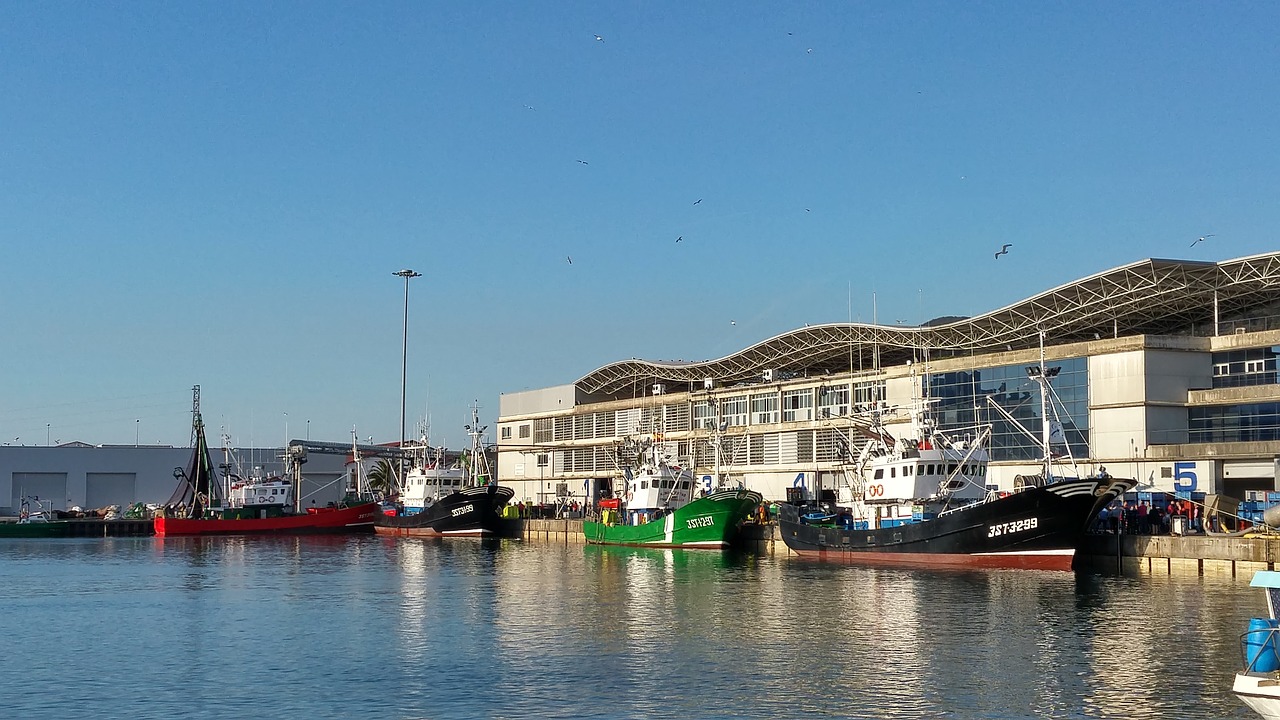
(1037, 528)
(471, 512)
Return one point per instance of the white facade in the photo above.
(1140, 388)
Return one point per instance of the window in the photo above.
(702, 414)
(733, 410)
(506, 433)
(764, 409)
(797, 405)
(524, 431)
(644, 484)
(833, 401)
(879, 473)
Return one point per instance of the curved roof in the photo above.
(1154, 296)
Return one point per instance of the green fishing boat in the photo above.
(708, 522)
(34, 524)
(656, 507)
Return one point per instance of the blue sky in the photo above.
(218, 193)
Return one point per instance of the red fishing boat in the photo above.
(201, 505)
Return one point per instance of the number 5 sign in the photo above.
(1184, 477)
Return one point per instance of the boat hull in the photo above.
(1035, 529)
(1260, 692)
(35, 530)
(355, 518)
(472, 512)
(709, 522)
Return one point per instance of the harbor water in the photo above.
(370, 627)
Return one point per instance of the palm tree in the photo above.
(383, 478)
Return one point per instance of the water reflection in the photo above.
(396, 628)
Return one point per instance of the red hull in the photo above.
(358, 518)
(1058, 560)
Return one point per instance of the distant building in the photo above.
(1167, 373)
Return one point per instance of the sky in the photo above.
(218, 194)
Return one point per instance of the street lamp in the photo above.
(404, 346)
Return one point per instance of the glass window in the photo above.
(963, 399)
(797, 405)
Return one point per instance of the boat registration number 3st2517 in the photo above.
(1012, 527)
(699, 522)
(463, 510)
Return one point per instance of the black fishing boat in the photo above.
(1034, 528)
(923, 500)
(438, 501)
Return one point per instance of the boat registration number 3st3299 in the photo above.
(699, 522)
(1012, 527)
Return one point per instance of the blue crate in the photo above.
(1199, 496)
(1144, 496)
(1183, 494)
(1273, 497)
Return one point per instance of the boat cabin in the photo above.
(424, 485)
(260, 492)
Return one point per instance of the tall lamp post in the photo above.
(404, 346)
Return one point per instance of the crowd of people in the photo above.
(1145, 517)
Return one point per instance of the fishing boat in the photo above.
(203, 504)
(1258, 684)
(34, 523)
(437, 499)
(656, 507)
(922, 499)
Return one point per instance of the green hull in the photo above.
(34, 530)
(709, 522)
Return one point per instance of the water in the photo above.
(368, 627)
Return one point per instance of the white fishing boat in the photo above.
(1258, 684)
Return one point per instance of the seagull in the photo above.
(599, 39)
(584, 162)
(1004, 250)
(529, 107)
(1201, 239)
(698, 201)
(679, 238)
(566, 257)
(806, 209)
(733, 322)
(809, 51)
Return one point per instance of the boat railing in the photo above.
(1267, 648)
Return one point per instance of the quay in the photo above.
(1238, 557)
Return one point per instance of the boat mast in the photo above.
(477, 460)
(1042, 379)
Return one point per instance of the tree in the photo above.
(383, 478)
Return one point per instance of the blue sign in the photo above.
(799, 481)
(706, 483)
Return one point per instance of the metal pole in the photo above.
(404, 346)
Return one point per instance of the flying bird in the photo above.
(1004, 250)
(698, 201)
(809, 51)
(733, 322)
(599, 39)
(1201, 239)
(529, 107)
(566, 257)
(584, 162)
(679, 238)
(806, 209)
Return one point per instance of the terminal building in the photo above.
(1166, 371)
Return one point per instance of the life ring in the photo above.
(262, 500)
